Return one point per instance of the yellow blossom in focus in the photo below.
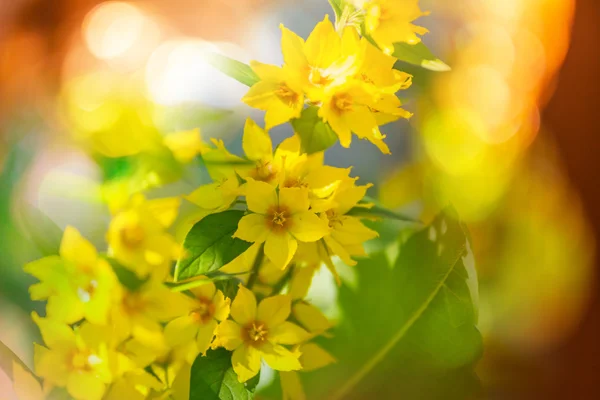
(279, 218)
(80, 360)
(391, 21)
(138, 239)
(197, 326)
(279, 93)
(258, 332)
(78, 284)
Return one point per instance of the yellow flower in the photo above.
(141, 313)
(390, 21)
(279, 93)
(257, 333)
(206, 310)
(347, 233)
(348, 109)
(80, 360)
(25, 385)
(78, 284)
(138, 239)
(279, 218)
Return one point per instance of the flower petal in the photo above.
(76, 248)
(280, 248)
(181, 330)
(260, 196)
(205, 291)
(308, 227)
(206, 332)
(222, 306)
(274, 310)
(288, 333)
(291, 386)
(246, 362)
(311, 317)
(243, 308)
(295, 199)
(229, 335)
(252, 228)
(85, 386)
(256, 142)
(314, 357)
(279, 358)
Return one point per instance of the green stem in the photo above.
(256, 266)
(284, 280)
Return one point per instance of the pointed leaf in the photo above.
(315, 134)
(209, 245)
(213, 378)
(419, 54)
(235, 69)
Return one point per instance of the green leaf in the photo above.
(187, 285)
(42, 232)
(213, 378)
(126, 277)
(419, 54)
(315, 134)
(337, 7)
(377, 211)
(235, 69)
(415, 321)
(209, 245)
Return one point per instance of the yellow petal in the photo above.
(56, 335)
(252, 228)
(85, 386)
(76, 249)
(301, 281)
(222, 306)
(267, 72)
(288, 333)
(311, 317)
(323, 45)
(260, 196)
(206, 291)
(256, 142)
(246, 362)
(274, 310)
(308, 227)
(229, 335)
(314, 357)
(181, 331)
(279, 358)
(262, 95)
(210, 196)
(243, 308)
(295, 199)
(291, 386)
(292, 47)
(51, 365)
(205, 335)
(185, 145)
(280, 112)
(280, 248)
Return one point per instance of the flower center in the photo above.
(264, 172)
(132, 236)
(204, 312)
(333, 218)
(133, 303)
(292, 182)
(86, 292)
(317, 78)
(287, 95)
(256, 333)
(278, 219)
(342, 103)
(83, 361)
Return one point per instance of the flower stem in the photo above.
(256, 266)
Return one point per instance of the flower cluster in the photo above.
(118, 323)
(351, 80)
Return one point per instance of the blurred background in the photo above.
(510, 137)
